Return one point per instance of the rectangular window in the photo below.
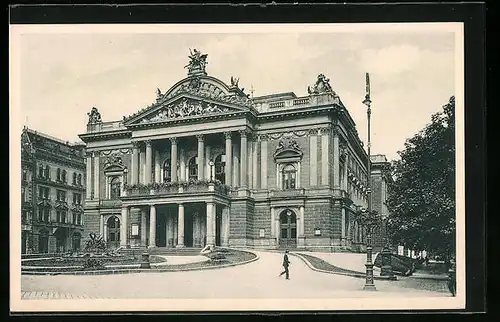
(25, 175)
(46, 215)
(79, 219)
(58, 216)
(63, 216)
(61, 195)
(40, 214)
(75, 219)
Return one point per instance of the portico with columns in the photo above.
(206, 164)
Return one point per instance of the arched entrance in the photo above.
(43, 241)
(288, 229)
(113, 232)
(61, 235)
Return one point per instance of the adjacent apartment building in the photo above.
(207, 163)
(52, 193)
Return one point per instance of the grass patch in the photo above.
(323, 265)
(80, 261)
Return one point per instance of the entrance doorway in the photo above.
(288, 229)
(113, 232)
(161, 233)
(43, 241)
(76, 241)
(61, 235)
(218, 224)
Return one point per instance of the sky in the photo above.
(63, 75)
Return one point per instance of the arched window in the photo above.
(79, 179)
(289, 174)
(63, 176)
(47, 172)
(58, 175)
(115, 188)
(167, 171)
(220, 167)
(193, 169)
(74, 178)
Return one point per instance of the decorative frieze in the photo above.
(118, 151)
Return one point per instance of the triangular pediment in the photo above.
(186, 107)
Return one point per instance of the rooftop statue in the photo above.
(321, 86)
(197, 61)
(94, 116)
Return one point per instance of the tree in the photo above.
(421, 198)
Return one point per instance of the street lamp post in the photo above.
(368, 217)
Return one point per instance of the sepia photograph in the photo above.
(190, 167)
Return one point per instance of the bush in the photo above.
(93, 263)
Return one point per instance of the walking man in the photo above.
(286, 263)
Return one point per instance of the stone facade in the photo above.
(52, 194)
(208, 164)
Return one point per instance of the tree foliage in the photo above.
(421, 199)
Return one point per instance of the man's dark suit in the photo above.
(286, 263)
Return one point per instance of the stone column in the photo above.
(236, 166)
(149, 163)
(101, 226)
(228, 158)
(243, 159)
(263, 162)
(255, 171)
(302, 221)
(180, 225)
(97, 171)
(182, 167)
(225, 227)
(343, 232)
(201, 152)
(346, 164)
(206, 165)
(171, 229)
(144, 228)
(325, 156)
(173, 159)
(210, 225)
(196, 233)
(89, 177)
(313, 156)
(124, 227)
(152, 226)
(249, 157)
(105, 232)
(336, 160)
(142, 166)
(134, 174)
(157, 166)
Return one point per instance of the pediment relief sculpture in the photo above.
(186, 108)
(113, 161)
(288, 145)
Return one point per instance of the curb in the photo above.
(132, 271)
(360, 275)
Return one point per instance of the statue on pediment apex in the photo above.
(234, 81)
(197, 61)
(321, 86)
(94, 116)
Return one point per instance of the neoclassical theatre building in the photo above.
(208, 164)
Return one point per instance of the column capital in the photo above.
(227, 135)
(135, 144)
(335, 130)
(263, 137)
(148, 143)
(312, 132)
(96, 154)
(243, 133)
(200, 137)
(89, 154)
(173, 140)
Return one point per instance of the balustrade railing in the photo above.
(176, 188)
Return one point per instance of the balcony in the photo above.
(293, 193)
(175, 188)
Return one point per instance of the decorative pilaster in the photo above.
(346, 166)
(134, 175)
(124, 227)
(273, 233)
(152, 226)
(201, 153)
(263, 162)
(88, 177)
(225, 226)
(180, 227)
(336, 159)
(173, 159)
(325, 154)
(302, 222)
(255, 172)
(313, 158)
(210, 223)
(144, 235)
(97, 171)
(343, 230)
(243, 159)
(149, 162)
(101, 226)
(228, 159)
